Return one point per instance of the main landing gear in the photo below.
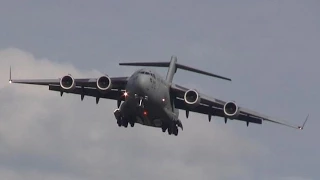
(172, 127)
(122, 121)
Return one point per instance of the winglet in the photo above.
(301, 127)
(10, 77)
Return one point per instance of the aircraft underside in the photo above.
(139, 110)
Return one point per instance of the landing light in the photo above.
(125, 94)
(163, 100)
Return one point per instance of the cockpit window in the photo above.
(147, 73)
(143, 72)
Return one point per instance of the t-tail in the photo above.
(173, 66)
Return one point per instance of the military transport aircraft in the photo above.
(148, 99)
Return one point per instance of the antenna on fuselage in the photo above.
(173, 66)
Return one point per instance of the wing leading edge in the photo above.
(83, 87)
(215, 107)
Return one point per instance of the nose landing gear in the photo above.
(141, 102)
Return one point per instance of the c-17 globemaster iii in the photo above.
(148, 99)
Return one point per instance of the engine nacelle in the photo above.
(231, 110)
(104, 83)
(67, 82)
(192, 98)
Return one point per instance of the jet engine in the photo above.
(192, 98)
(231, 110)
(104, 83)
(67, 82)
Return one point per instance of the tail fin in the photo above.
(173, 66)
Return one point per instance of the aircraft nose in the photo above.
(142, 83)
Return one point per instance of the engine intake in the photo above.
(231, 110)
(104, 83)
(67, 82)
(192, 98)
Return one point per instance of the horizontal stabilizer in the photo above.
(153, 64)
(177, 66)
(201, 72)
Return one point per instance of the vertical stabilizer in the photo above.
(172, 69)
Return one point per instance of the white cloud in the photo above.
(43, 136)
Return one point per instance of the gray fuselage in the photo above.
(148, 100)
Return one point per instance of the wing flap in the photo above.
(84, 86)
(180, 90)
(117, 82)
(43, 82)
(214, 111)
(113, 94)
(218, 105)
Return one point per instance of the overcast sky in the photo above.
(270, 49)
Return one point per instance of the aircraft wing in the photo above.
(83, 87)
(215, 107)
